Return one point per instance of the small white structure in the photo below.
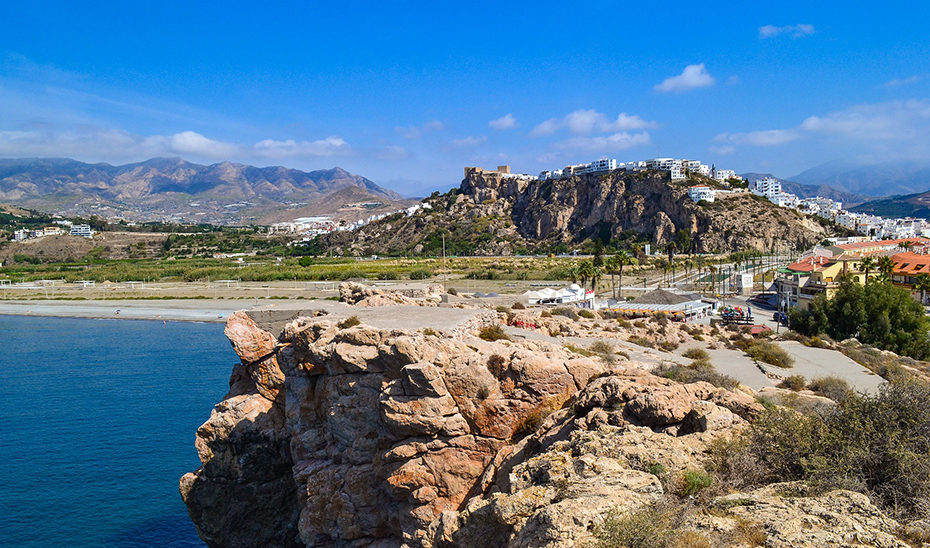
(701, 192)
(571, 294)
(82, 230)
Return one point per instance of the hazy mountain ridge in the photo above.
(811, 191)
(909, 205)
(882, 179)
(226, 192)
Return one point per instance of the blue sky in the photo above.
(408, 93)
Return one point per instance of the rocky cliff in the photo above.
(494, 214)
(385, 434)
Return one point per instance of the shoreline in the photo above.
(200, 310)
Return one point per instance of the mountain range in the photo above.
(811, 191)
(880, 179)
(172, 189)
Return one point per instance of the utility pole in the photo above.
(443, 262)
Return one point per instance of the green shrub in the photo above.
(518, 306)
(420, 275)
(699, 370)
(877, 445)
(696, 354)
(668, 346)
(585, 313)
(568, 312)
(832, 387)
(351, 321)
(770, 353)
(502, 309)
(641, 341)
(644, 528)
(794, 382)
(624, 323)
(452, 291)
(387, 275)
(493, 333)
(579, 350)
(694, 481)
(601, 347)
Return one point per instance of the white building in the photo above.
(82, 230)
(673, 166)
(723, 175)
(767, 187)
(607, 164)
(701, 192)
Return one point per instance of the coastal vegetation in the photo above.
(878, 314)
(874, 444)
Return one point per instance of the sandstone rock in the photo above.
(249, 341)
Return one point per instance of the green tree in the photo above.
(867, 264)
(922, 284)
(878, 314)
(886, 267)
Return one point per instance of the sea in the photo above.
(98, 426)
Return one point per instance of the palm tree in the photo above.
(867, 264)
(624, 259)
(907, 245)
(612, 266)
(886, 267)
(596, 273)
(922, 284)
(586, 271)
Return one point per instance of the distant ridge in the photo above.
(902, 177)
(811, 191)
(172, 188)
(910, 205)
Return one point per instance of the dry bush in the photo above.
(770, 353)
(696, 354)
(351, 321)
(497, 365)
(493, 333)
(794, 382)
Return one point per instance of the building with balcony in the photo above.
(701, 192)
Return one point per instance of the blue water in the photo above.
(97, 426)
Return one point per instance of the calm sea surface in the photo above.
(98, 425)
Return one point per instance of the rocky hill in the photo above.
(172, 188)
(492, 214)
(407, 430)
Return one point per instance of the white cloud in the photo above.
(392, 153)
(189, 142)
(898, 82)
(603, 144)
(546, 128)
(469, 142)
(725, 150)
(796, 31)
(693, 77)
(104, 144)
(893, 120)
(330, 146)
(503, 123)
(764, 138)
(415, 132)
(584, 122)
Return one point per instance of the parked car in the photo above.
(781, 318)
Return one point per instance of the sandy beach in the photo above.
(199, 310)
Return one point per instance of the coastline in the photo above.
(183, 310)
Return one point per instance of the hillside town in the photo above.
(871, 226)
